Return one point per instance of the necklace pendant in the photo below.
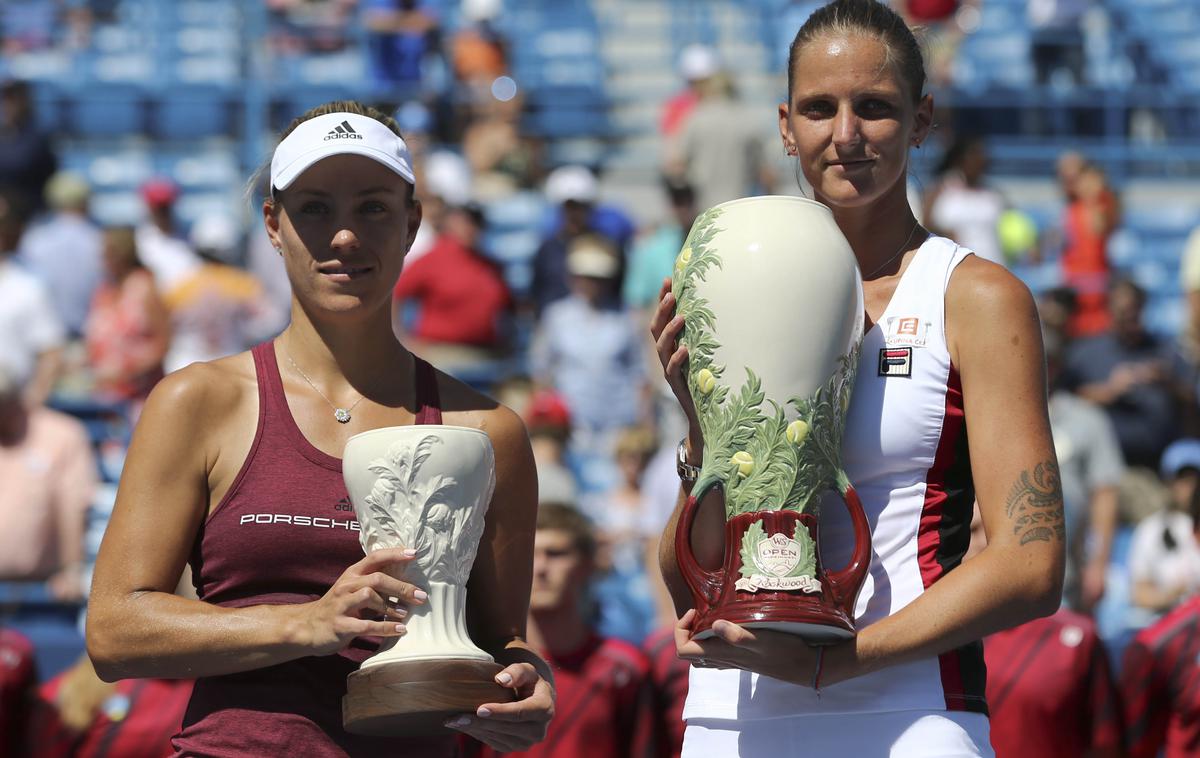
(342, 415)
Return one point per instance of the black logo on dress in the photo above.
(344, 505)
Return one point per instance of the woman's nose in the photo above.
(845, 127)
(345, 239)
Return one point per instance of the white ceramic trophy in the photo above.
(772, 302)
(425, 487)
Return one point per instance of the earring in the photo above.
(791, 149)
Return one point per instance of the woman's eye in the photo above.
(314, 208)
(818, 109)
(875, 108)
(373, 206)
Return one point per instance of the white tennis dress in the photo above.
(905, 451)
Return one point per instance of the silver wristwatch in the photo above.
(687, 472)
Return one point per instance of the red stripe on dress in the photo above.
(929, 534)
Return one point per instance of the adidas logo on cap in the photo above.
(343, 131)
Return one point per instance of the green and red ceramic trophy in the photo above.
(772, 302)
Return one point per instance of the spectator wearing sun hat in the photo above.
(64, 250)
(588, 348)
(574, 193)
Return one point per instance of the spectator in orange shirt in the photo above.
(1093, 213)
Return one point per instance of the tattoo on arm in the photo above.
(1035, 504)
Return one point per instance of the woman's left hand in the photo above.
(775, 654)
(519, 725)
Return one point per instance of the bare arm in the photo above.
(1147, 594)
(74, 485)
(137, 627)
(1018, 576)
(1103, 525)
(45, 376)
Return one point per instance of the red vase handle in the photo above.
(705, 585)
(845, 584)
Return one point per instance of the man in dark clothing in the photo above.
(1128, 372)
(27, 158)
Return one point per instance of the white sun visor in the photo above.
(338, 134)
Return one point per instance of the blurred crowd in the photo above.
(91, 318)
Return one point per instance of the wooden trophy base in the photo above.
(418, 697)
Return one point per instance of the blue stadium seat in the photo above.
(183, 112)
(53, 627)
(107, 111)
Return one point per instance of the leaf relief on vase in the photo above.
(766, 455)
(430, 514)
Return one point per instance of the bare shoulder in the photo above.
(987, 306)
(466, 406)
(203, 388)
(193, 401)
(981, 286)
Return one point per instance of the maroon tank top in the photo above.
(284, 533)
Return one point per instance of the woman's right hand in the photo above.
(665, 327)
(366, 600)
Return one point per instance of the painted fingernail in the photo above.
(401, 628)
(401, 612)
(483, 713)
(459, 721)
(504, 678)
(409, 553)
(421, 595)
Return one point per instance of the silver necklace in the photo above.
(341, 414)
(903, 247)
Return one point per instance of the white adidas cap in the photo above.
(338, 134)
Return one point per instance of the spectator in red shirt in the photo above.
(1160, 677)
(669, 673)
(461, 297)
(605, 702)
(1050, 690)
(18, 680)
(80, 716)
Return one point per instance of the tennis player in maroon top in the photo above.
(1160, 677)
(605, 704)
(234, 469)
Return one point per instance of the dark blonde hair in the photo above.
(333, 106)
(567, 518)
(871, 18)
